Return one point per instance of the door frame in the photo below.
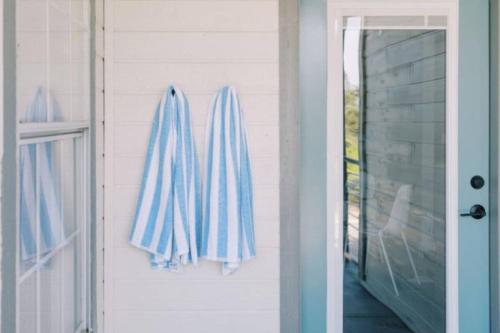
(334, 256)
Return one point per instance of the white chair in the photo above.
(395, 227)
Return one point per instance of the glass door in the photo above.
(408, 145)
(394, 175)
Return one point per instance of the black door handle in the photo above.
(476, 212)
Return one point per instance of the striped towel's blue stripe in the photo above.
(38, 174)
(168, 211)
(228, 225)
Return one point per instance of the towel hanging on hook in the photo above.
(168, 213)
(228, 230)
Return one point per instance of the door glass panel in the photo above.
(394, 180)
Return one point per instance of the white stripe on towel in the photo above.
(228, 231)
(168, 212)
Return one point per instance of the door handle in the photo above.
(476, 212)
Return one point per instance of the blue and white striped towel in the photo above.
(50, 228)
(168, 214)
(228, 231)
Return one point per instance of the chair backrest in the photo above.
(400, 209)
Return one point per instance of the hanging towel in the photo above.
(228, 232)
(168, 214)
(38, 172)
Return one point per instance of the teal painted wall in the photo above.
(312, 100)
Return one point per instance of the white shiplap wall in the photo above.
(200, 46)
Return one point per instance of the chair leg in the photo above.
(410, 257)
(345, 249)
(386, 257)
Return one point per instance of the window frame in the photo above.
(16, 133)
(35, 133)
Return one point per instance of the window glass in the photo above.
(50, 234)
(51, 296)
(32, 54)
(53, 86)
(28, 305)
(59, 66)
(28, 226)
(53, 53)
(394, 179)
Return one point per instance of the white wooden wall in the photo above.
(200, 46)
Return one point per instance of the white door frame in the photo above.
(335, 263)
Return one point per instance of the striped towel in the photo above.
(50, 226)
(168, 213)
(228, 234)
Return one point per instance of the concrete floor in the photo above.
(363, 313)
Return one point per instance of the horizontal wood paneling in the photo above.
(195, 78)
(221, 294)
(203, 16)
(199, 46)
(196, 47)
(189, 321)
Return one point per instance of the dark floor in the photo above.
(363, 313)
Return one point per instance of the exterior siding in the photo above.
(199, 46)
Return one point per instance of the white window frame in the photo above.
(35, 133)
(335, 251)
(79, 132)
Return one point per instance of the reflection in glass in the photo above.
(53, 85)
(28, 227)
(28, 305)
(53, 51)
(50, 232)
(51, 296)
(72, 282)
(394, 180)
(41, 224)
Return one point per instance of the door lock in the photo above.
(476, 212)
(477, 182)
